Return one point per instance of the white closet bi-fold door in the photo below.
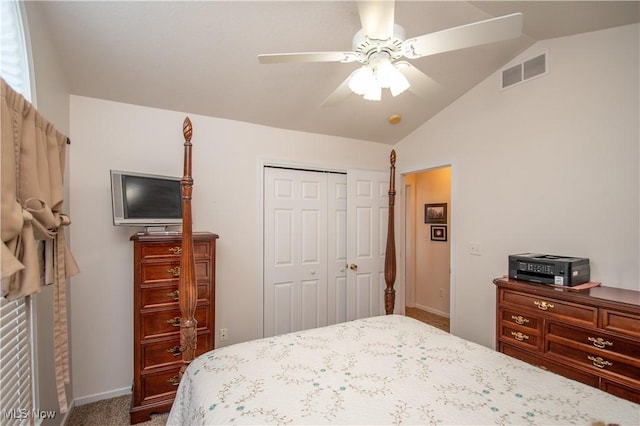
(324, 240)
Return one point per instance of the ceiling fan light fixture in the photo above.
(373, 92)
(390, 77)
(399, 82)
(369, 80)
(385, 73)
(361, 80)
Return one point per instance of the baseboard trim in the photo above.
(100, 396)
(433, 311)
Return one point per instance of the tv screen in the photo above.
(141, 199)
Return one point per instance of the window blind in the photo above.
(15, 363)
(16, 379)
(14, 63)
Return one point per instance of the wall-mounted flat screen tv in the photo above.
(142, 199)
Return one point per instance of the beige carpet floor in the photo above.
(115, 411)
(110, 412)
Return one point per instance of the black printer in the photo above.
(549, 269)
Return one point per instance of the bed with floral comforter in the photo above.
(382, 370)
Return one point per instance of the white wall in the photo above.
(226, 156)
(549, 166)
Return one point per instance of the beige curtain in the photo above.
(34, 252)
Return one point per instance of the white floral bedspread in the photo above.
(382, 370)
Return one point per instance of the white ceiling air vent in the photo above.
(524, 71)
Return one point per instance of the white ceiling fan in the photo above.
(381, 44)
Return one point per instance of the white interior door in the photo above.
(295, 252)
(337, 248)
(367, 217)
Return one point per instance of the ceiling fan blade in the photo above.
(477, 33)
(338, 95)
(278, 58)
(420, 83)
(377, 18)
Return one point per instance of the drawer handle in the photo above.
(519, 319)
(520, 337)
(174, 321)
(175, 351)
(174, 271)
(174, 381)
(599, 342)
(543, 306)
(599, 362)
(176, 250)
(175, 295)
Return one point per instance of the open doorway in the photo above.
(428, 246)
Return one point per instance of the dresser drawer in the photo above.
(159, 385)
(594, 361)
(621, 322)
(553, 308)
(159, 323)
(173, 250)
(164, 353)
(170, 249)
(622, 390)
(169, 270)
(524, 320)
(163, 295)
(547, 364)
(524, 338)
(596, 341)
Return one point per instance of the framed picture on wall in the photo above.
(435, 213)
(438, 233)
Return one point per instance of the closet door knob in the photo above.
(353, 267)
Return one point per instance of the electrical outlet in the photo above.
(474, 249)
(224, 334)
(441, 292)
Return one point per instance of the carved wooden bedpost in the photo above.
(188, 288)
(390, 252)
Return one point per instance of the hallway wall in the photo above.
(432, 257)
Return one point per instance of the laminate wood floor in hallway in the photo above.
(432, 319)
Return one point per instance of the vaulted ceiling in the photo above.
(200, 57)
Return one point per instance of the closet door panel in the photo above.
(367, 207)
(295, 251)
(337, 248)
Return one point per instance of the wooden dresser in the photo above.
(156, 316)
(591, 335)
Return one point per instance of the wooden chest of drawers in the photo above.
(592, 335)
(156, 316)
